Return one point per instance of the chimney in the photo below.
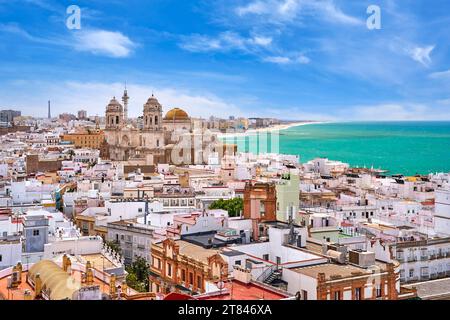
(37, 285)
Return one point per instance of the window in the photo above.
(140, 210)
(199, 282)
(1, 258)
(424, 271)
(238, 262)
(35, 232)
(337, 295)
(266, 257)
(183, 275)
(169, 269)
(191, 278)
(304, 295)
(357, 293)
(379, 291)
(411, 273)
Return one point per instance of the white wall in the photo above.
(11, 253)
(77, 246)
(298, 282)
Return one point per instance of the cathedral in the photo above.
(154, 138)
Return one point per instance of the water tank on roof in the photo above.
(336, 256)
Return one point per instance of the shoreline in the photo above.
(277, 127)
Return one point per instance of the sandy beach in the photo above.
(277, 127)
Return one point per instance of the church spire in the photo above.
(125, 99)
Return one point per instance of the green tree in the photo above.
(234, 206)
(138, 273)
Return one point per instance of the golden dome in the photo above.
(176, 114)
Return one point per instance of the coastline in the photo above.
(278, 127)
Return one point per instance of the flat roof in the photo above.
(203, 239)
(434, 289)
(331, 269)
(232, 253)
(240, 291)
(195, 251)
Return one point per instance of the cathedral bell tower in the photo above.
(125, 99)
(114, 115)
(152, 114)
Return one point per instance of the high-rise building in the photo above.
(9, 115)
(82, 114)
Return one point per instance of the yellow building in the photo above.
(88, 227)
(90, 139)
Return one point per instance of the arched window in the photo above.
(150, 120)
(117, 119)
(156, 120)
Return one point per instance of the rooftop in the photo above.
(434, 289)
(236, 290)
(330, 269)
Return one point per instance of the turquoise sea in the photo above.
(401, 147)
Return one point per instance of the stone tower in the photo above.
(125, 99)
(114, 115)
(152, 114)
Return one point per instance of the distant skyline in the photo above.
(287, 59)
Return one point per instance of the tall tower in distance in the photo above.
(125, 99)
(49, 113)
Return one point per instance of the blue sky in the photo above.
(290, 59)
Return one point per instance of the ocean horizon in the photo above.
(400, 147)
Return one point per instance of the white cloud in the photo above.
(395, 112)
(262, 41)
(283, 11)
(440, 74)
(283, 60)
(100, 42)
(103, 42)
(421, 54)
(72, 96)
(225, 41)
(256, 7)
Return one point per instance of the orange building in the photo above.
(345, 282)
(260, 201)
(92, 139)
(180, 266)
